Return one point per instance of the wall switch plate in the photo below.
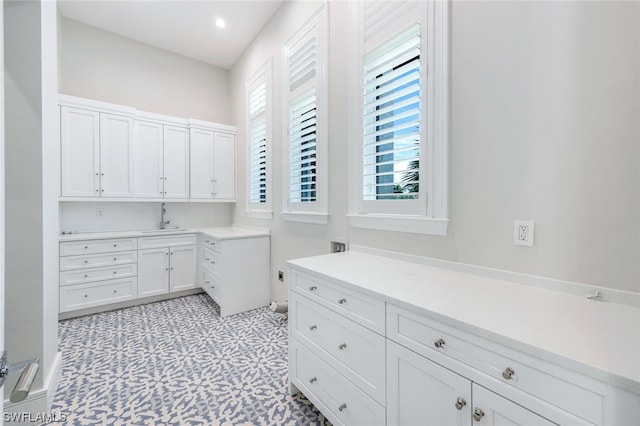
(523, 232)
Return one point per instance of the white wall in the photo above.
(101, 65)
(544, 126)
(31, 219)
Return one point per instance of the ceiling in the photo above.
(182, 26)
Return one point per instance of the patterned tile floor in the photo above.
(178, 363)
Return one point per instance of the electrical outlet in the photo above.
(338, 246)
(98, 212)
(523, 231)
(281, 276)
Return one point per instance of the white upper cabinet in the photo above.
(116, 152)
(224, 150)
(116, 156)
(201, 163)
(80, 152)
(148, 160)
(212, 164)
(96, 153)
(162, 161)
(176, 162)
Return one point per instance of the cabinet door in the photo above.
(201, 163)
(153, 272)
(422, 392)
(224, 153)
(80, 152)
(182, 268)
(148, 160)
(176, 162)
(116, 156)
(493, 410)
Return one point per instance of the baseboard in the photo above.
(39, 400)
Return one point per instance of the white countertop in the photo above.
(595, 338)
(222, 232)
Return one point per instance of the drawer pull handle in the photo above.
(312, 288)
(342, 301)
(508, 373)
(478, 414)
(313, 380)
(342, 346)
(342, 407)
(439, 343)
(207, 259)
(313, 327)
(460, 403)
(206, 241)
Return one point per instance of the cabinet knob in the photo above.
(166, 269)
(85, 275)
(313, 380)
(115, 291)
(86, 295)
(115, 259)
(460, 403)
(115, 272)
(172, 269)
(312, 288)
(86, 247)
(97, 190)
(86, 261)
(508, 373)
(207, 259)
(439, 343)
(313, 327)
(115, 245)
(102, 190)
(342, 407)
(478, 414)
(206, 282)
(342, 346)
(342, 301)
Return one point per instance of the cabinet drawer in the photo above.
(95, 294)
(210, 258)
(360, 353)
(550, 383)
(96, 260)
(167, 241)
(211, 284)
(363, 309)
(211, 242)
(69, 248)
(330, 390)
(98, 274)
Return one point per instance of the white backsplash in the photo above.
(117, 216)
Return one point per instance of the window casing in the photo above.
(399, 116)
(305, 116)
(259, 119)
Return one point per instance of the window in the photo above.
(398, 116)
(258, 94)
(305, 115)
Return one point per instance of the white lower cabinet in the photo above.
(235, 272)
(364, 360)
(153, 272)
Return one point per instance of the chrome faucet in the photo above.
(163, 211)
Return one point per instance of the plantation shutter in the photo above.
(392, 117)
(257, 145)
(303, 74)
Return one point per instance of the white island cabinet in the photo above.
(234, 267)
(378, 340)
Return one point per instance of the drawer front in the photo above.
(211, 284)
(99, 293)
(167, 241)
(211, 242)
(360, 353)
(97, 260)
(425, 336)
(340, 400)
(210, 258)
(363, 309)
(70, 248)
(98, 274)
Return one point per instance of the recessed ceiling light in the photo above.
(220, 23)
